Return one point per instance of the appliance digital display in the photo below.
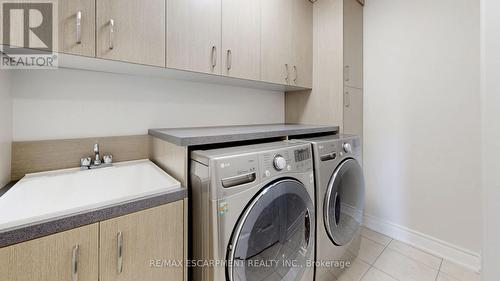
(302, 154)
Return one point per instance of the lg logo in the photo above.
(27, 27)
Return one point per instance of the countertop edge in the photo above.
(224, 138)
(40, 229)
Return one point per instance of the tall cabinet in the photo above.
(336, 97)
(353, 67)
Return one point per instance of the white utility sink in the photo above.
(42, 196)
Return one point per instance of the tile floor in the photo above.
(384, 259)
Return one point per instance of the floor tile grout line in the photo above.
(414, 259)
(368, 238)
(386, 273)
(423, 251)
(439, 271)
(392, 239)
(383, 250)
(366, 272)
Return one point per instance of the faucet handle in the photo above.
(108, 159)
(85, 162)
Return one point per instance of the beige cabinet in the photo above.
(353, 67)
(194, 35)
(131, 31)
(241, 38)
(77, 27)
(287, 42)
(276, 41)
(337, 43)
(302, 43)
(131, 244)
(69, 255)
(353, 44)
(353, 111)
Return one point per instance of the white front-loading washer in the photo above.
(253, 213)
(340, 198)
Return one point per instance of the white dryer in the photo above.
(253, 214)
(340, 198)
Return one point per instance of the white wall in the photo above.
(422, 120)
(72, 104)
(490, 95)
(5, 127)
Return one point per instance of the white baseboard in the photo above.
(425, 242)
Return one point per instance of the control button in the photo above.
(347, 147)
(289, 168)
(267, 173)
(279, 162)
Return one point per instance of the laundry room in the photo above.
(263, 140)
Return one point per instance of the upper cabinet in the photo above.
(302, 43)
(276, 41)
(353, 44)
(241, 27)
(287, 42)
(260, 40)
(131, 30)
(194, 35)
(77, 27)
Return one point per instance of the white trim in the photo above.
(425, 242)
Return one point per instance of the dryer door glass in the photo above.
(344, 201)
(274, 237)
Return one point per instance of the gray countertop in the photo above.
(212, 135)
(59, 224)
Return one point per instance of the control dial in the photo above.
(279, 162)
(347, 147)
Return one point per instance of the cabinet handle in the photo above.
(229, 59)
(111, 34)
(347, 74)
(119, 242)
(214, 56)
(74, 263)
(347, 99)
(296, 74)
(287, 73)
(79, 27)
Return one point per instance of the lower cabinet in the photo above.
(131, 245)
(65, 256)
(147, 245)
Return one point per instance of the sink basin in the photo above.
(48, 195)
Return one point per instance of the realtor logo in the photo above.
(29, 33)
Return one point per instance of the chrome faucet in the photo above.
(97, 159)
(87, 162)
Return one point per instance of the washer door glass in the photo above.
(344, 201)
(273, 239)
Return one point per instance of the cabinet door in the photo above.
(353, 44)
(77, 27)
(276, 41)
(130, 245)
(353, 111)
(194, 35)
(53, 258)
(302, 43)
(241, 38)
(131, 30)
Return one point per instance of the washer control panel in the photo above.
(279, 162)
(297, 159)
